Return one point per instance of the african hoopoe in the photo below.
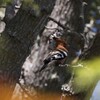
(60, 52)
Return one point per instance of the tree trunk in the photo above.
(15, 45)
(67, 13)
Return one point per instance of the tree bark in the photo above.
(15, 45)
(66, 12)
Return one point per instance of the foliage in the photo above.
(87, 75)
(31, 4)
(95, 9)
(4, 1)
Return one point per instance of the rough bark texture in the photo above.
(15, 45)
(67, 12)
(13, 51)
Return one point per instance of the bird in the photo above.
(59, 53)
